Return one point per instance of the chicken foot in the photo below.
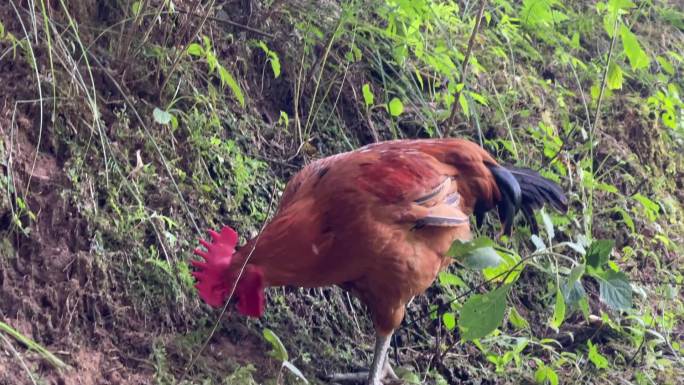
(381, 371)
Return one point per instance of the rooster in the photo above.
(376, 221)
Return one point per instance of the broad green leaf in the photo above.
(599, 252)
(636, 55)
(278, 352)
(596, 358)
(294, 370)
(477, 254)
(195, 49)
(615, 290)
(558, 311)
(368, 97)
(160, 116)
(614, 80)
(573, 293)
(481, 314)
(396, 107)
(509, 268)
(229, 80)
(545, 375)
(449, 320)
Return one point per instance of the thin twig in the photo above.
(180, 53)
(464, 68)
(592, 132)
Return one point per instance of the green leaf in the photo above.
(626, 218)
(618, 5)
(448, 279)
(666, 65)
(160, 116)
(652, 208)
(509, 268)
(478, 98)
(449, 320)
(575, 41)
(517, 320)
(278, 352)
(368, 97)
(275, 65)
(597, 358)
(464, 104)
(614, 80)
(477, 254)
(195, 49)
(545, 375)
(584, 307)
(599, 252)
(539, 12)
(481, 314)
(135, 8)
(558, 310)
(576, 273)
(272, 58)
(615, 289)
(407, 376)
(396, 107)
(636, 55)
(228, 79)
(284, 119)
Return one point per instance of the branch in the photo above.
(464, 68)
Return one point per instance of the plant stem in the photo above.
(594, 127)
(464, 68)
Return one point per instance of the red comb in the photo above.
(213, 276)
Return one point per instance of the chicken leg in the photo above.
(380, 369)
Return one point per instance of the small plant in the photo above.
(280, 353)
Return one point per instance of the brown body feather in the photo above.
(376, 221)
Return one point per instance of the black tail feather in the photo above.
(523, 189)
